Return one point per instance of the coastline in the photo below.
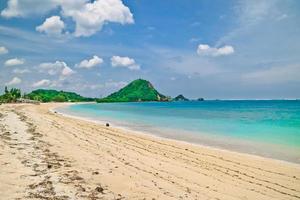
(89, 160)
(183, 140)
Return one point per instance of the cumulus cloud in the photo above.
(52, 68)
(58, 67)
(117, 61)
(14, 81)
(89, 17)
(206, 50)
(90, 63)
(3, 50)
(92, 16)
(14, 62)
(52, 26)
(42, 83)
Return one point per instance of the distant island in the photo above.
(139, 90)
(136, 91)
(180, 98)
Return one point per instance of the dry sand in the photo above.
(44, 155)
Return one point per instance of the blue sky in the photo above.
(248, 49)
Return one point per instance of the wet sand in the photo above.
(44, 155)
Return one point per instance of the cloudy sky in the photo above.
(248, 49)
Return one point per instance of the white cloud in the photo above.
(58, 67)
(21, 71)
(89, 17)
(52, 68)
(3, 50)
(206, 50)
(14, 62)
(52, 26)
(117, 61)
(90, 63)
(44, 82)
(14, 81)
(67, 71)
(23, 8)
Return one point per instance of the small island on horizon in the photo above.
(136, 91)
(139, 90)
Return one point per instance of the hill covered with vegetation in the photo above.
(137, 90)
(56, 96)
(180, 98)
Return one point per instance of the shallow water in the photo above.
(268, 128)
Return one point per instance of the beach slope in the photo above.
(45, 155)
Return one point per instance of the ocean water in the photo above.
(269, 128)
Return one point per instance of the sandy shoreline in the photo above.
(183, 140)
(49, 156)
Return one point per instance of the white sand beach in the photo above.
(44, 155)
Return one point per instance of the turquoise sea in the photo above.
(269, 128)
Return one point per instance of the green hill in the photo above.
(137, 90)
(56, 96)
